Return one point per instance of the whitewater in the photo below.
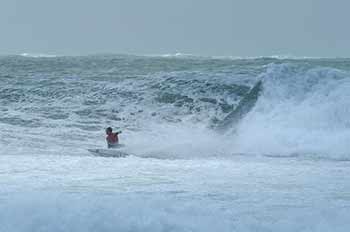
(283, 166)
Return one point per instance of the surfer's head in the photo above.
(109, 130)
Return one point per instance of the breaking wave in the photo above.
(302, 111)
(168, 108)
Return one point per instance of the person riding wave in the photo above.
(112, 138)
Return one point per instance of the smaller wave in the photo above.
(37, 55)
(276, 57)
(178, 54)
(172, 55)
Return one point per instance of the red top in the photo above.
(112, 138)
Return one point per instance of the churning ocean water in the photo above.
(282, 165)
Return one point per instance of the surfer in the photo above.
(112, 138)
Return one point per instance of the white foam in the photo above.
(300, 111)
(83, 193)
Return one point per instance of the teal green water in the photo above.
(282, 166)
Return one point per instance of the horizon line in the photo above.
(176, 55)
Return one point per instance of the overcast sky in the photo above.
(201, 27)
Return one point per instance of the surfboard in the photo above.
(116, 153)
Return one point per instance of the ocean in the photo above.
(283, 165)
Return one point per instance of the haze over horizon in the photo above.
(212, 28)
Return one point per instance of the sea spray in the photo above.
(301, 111)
